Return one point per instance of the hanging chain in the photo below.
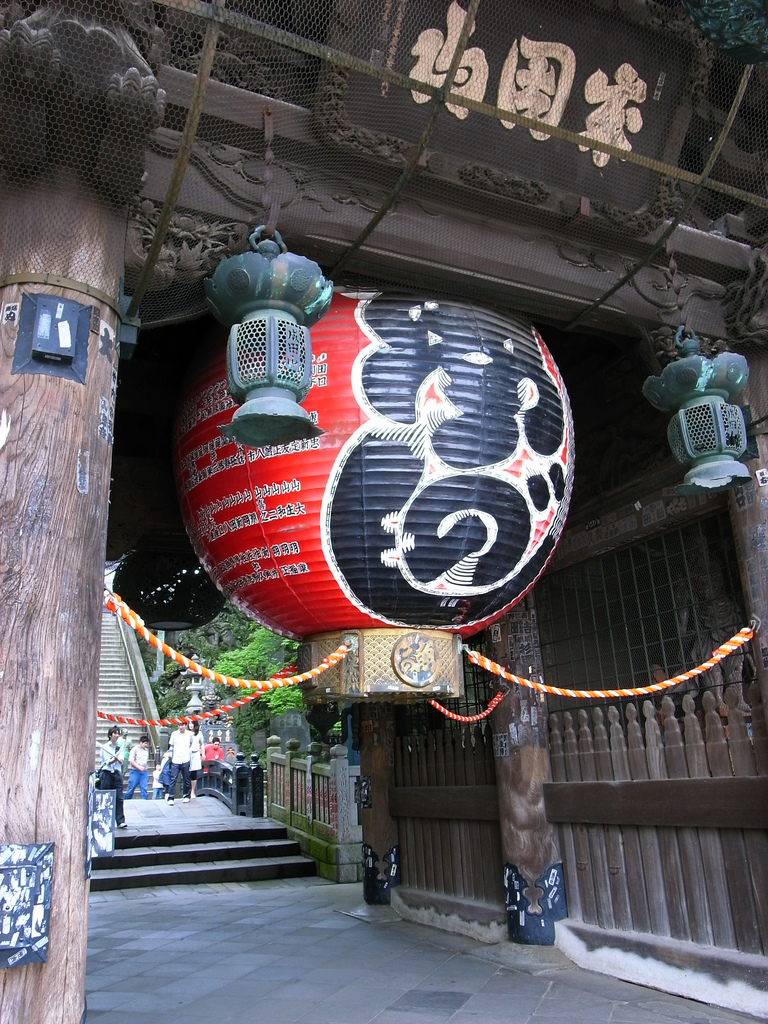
(678, 282)
(270, 203)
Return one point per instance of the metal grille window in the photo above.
(643, 612)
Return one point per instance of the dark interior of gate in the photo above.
(439, 148)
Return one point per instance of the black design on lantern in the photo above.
(461, 476)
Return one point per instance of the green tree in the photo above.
(263, 655)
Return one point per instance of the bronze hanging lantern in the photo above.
(270, 298)
(707, 432)
(737, 27)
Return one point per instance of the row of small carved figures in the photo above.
(661, 750)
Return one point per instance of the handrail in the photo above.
(143, 689)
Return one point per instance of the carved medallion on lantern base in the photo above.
(391, 664)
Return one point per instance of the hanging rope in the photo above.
(742, 637)
(469, 718)
(177, 721)
(119, 607)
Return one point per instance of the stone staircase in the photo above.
(117, 690)
(234, 850)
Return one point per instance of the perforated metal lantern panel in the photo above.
(249, 366)
(269, 351)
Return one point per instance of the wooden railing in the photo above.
(316, 797)
(662, 822)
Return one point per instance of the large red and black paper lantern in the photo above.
(435, 497)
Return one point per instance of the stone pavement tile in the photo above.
(514, 1015)
(575, 1005)
(516, 983)
(600, 985)
(499, 1003)
(356, 1005)
(686, 1011)
(459, 973)
(431, 1001)
(338, 974)
(278, 1011)
(630, 1014)
(390, 1016)
(310, 992)
(251, 961)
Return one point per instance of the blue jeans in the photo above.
(157, 794)
(185, 780)
(136, 779)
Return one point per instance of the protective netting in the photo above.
(430, 144)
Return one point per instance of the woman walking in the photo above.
(196, 757)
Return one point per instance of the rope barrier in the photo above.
(177, 721)
(469, 718)
(742, 637)
(119, 607)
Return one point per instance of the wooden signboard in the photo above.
(618, 77)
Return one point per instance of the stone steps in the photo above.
(182, 854)
(250, 870)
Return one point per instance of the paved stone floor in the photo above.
(307, 950)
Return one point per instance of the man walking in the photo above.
(138, 774)
(111, 773)
(179, 744)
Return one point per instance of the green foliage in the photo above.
(263, 655)
(207, 644)
(235, 646)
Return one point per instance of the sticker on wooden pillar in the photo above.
(533, 909)
(10, 316)
(5, 427)
(25, 903)
(380, 875)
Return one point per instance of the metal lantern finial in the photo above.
(706, 432)
(270, 298)
(737, 27)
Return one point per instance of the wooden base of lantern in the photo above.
(389, 664)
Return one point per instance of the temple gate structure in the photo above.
(597, 168)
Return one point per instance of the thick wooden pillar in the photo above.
(82, 100)
(533, 872)
(55, 457)
(749, 519)
(381, 855)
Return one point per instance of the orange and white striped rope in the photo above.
(470, 718)
(742, 637)
(119, 607)
(186, 718)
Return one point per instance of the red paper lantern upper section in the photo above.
(435, 497)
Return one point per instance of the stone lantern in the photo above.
(195, 687)
(707, 432)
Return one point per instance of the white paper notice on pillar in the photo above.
(10, 314)
(762, 477)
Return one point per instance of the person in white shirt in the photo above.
(137, 763)
(110, 773)
(179, 744)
